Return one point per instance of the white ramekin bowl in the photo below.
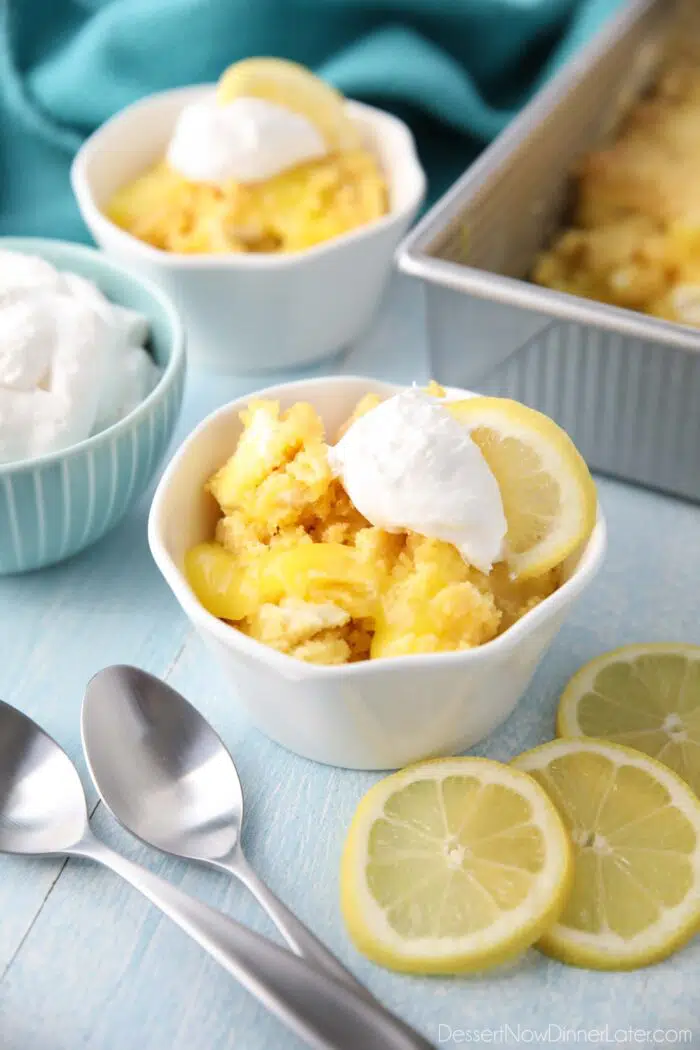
(251, 313)
(380, 714)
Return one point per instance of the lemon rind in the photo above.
(246, 77)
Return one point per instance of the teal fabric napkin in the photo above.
(457, 70)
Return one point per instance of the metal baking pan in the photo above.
(624, 385)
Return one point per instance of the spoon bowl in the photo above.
(42, 805)
(159, 765)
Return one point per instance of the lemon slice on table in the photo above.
(288, 84)
(644, 696)
(635, 826)
(549, 497)
(453, 865)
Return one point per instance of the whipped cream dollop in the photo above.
(248, 139)
(71, 362)
(409, 464)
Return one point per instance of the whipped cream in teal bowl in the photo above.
(92, 370)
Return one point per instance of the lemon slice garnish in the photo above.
(288, 84)
(549, 497)
(644, 696)
(453, 865)
(635, 826)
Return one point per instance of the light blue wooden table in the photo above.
(86, 963)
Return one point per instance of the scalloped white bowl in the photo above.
(254, 312)
(379, 714)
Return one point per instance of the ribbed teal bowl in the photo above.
(56, 505)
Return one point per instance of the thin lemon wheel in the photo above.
(453, 865)
(635, 826)
(288, 84)
(644, 696)
(549, 497)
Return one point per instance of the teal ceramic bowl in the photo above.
(56, 505)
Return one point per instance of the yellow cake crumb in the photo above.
(429, 604)
(363, 406)
(307, 630)
(328, 647)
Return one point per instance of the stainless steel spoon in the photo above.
(169, 779)
(43, 811)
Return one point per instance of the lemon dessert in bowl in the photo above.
(268, 162)
(430, 526)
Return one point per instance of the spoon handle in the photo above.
(299, 937)
(324, 1012)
